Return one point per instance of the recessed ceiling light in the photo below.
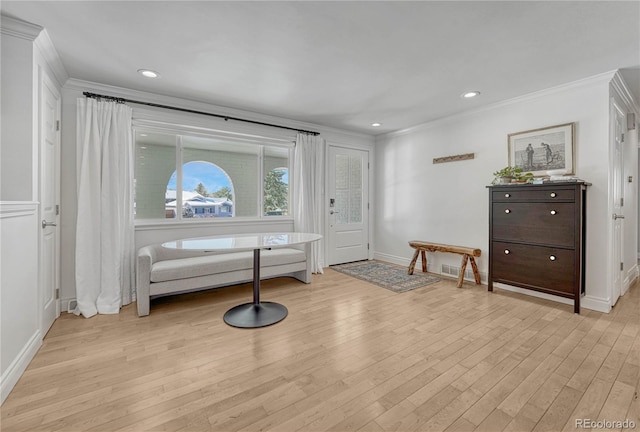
(376, 124)
(470, 94)
(148, 73)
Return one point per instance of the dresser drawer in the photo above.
(523, 194)
(534, 266)
(540, 223)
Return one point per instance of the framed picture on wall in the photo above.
(545, 149)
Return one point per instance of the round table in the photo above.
(255, 314)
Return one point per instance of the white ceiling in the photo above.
(341, 64)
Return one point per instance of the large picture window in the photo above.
(217, 177)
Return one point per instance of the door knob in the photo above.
(617, 216)
(46, 224)
(333, 211)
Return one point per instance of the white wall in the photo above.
(22, 61)
(163, 230)
(448, 203)
(18, 101)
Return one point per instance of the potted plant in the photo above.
(508, 174)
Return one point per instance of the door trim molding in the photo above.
(370, 195)
(45, 81)
(614, 107)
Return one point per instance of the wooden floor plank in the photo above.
(349, 357)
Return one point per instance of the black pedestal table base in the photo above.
(251, 315)
(256, 314)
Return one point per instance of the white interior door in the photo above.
(348, 171)
(49, 199)
(617, 219)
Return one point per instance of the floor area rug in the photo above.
(390, 276)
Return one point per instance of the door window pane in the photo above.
(348, 205)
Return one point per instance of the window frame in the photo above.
(261, 142)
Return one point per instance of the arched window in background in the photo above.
(207, 191)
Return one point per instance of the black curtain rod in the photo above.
(226, 118)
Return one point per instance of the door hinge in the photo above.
(621, 266)
(622, 138)
(621, 202)
(367, 246)
(368, 165)
(57, 209)
(368, 206)
(57, 293)
(57, 125)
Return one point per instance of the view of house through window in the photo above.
(206, 192)
(217, 177)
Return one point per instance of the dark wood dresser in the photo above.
(537, 237)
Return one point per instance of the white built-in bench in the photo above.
(163, 271)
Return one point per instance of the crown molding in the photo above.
(586, 82)
(620, 86)
(17, 28)
(50, 54)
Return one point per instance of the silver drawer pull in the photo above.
(552, 194)
(552, 257)
(507, 211)
(507, 195)
(553, 212)
(507, 251)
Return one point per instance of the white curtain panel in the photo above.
(308, 178)
(104, 227)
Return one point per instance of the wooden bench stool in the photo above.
(466, 252)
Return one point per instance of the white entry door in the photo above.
(617, 155)
(348, 171)
(49, 199)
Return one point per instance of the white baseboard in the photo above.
(17, 367)
(632, 275)
(587, 302)
(597, 304)
(391, 258)
(532, 293)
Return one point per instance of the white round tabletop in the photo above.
(239, 242)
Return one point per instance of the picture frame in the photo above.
(545, 149)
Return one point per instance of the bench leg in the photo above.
(424, 261)
(463, 267)
(475, 270)
(412, 265)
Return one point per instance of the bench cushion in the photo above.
(189, 267)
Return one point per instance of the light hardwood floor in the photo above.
(350, 356)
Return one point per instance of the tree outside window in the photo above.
(276, 193)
